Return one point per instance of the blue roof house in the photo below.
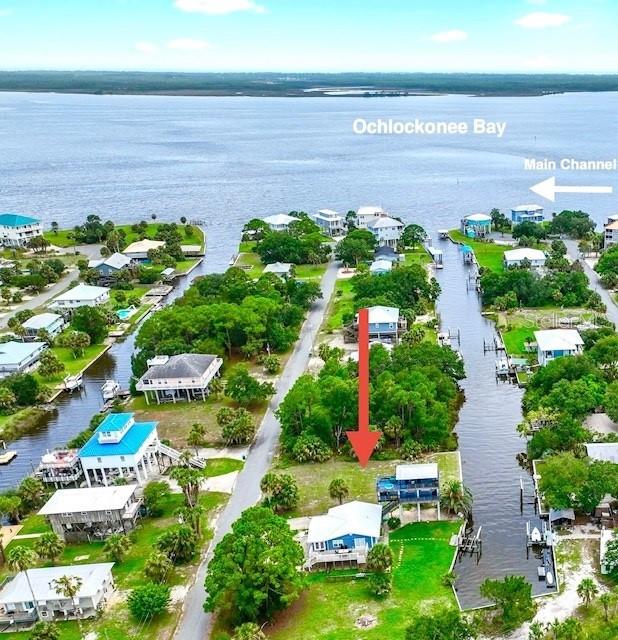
(345, 534)
(121, 448)
(527, 213)
(385, 323)
(17, 230)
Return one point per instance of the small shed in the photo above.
(561, 517)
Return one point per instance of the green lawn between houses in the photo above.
(330, 605)
(488, 254)
(340, 305)
(250, 262)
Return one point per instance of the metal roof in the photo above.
(41, 321)
(130, 443)
(416, 471)
(93, 499)
(15, 352)
(352, 518)
(16, 220)
(184, 365)
(558, 339)
(82, 292)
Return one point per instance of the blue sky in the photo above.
(311, 35)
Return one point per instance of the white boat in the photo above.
(71, 383)
(549, 578)
(110, 390)
(535, 536)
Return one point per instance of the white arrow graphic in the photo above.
(548, 189)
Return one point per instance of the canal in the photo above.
(73, 411)
(489, 443)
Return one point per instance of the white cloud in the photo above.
(187, 44)
(217, 7)
(542, 20)
(146, 47)
(455, 35)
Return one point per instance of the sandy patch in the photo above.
(178, 593)
(221, 484)
(236, 453)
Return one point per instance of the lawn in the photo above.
(313, 479)
(329, 607)
(340, 305)
(310, 271)
(74, 365)
(417, 256)
(250, 263)
(221, 466)
(516, 338)
(488, 254)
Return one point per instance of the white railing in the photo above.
(175, 455)
(352, 555)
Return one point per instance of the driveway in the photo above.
(194, 623)
(595, 282)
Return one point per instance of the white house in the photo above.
(365, 215)
(50, 322)
(527, 213)
(330, 222)
(83, 295)
(184, 376)
(603, 451)
(610, 232)
(281, 269)
(378, 267)
(138, 251)
(78, 515)
(17, 357)
(17, 230)
(345, 534)
(555, 343)
(516, 257)
(279, 221)
(121, 448)
(386, 230)
(17, 605)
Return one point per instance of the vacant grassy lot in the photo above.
(417, 256)
(330, 606)
(340, 305)
(313, 479)
(488, 254)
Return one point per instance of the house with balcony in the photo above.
(556, 343)
(386, 324)
(387, 231)
(412, 484)
(330, 222)
(19, 357)
(108, 268)
(138, 251)
(186, 376)
(120, 447)
(17, 230)
(476, 225)
(365, 215)
(527, 213)
(52, 323)
(534, 258)
(82, 295)
(18, 607)
(610, 232)
(83, 515)
(60, 467)
(279, 221)
(345, 534)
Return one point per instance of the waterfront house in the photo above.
(18, 357)
(387, 231)
(186, 376)
(53, 323)
(138, 251)
(82, 515)
(17, 606)
(379, 267)
(365, 215)
(109, 267)
(281, 269)
(555, 343)
(412, 484)
(476, 225)
(279, 221)
(345, 534)
(602, 451)
(60, 467)
(121, 448)
(385, 323)
(527, 213)
(535, 258)
(17, 230)
(388, 253)
(330, 222)
(610, 232)
(83, 295)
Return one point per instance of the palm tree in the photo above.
(248, 631)
(191, 516)
(587, 590)
(606, 599)
(157, 567)
(338, 489)
(117, 546)
(456, 498)
(49, 546)
(68, 587)
(21, 558)
(380, 558)
(196, 437)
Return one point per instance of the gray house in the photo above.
(50, 322)
(109, 267)
(17, 357)
(78, 515)
(17, 605)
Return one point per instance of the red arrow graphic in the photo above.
(363, 441)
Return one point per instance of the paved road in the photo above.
(194, 623)
(595, 283)
(43, 297)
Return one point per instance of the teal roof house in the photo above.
(17, 230)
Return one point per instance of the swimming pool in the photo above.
(123, 314)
